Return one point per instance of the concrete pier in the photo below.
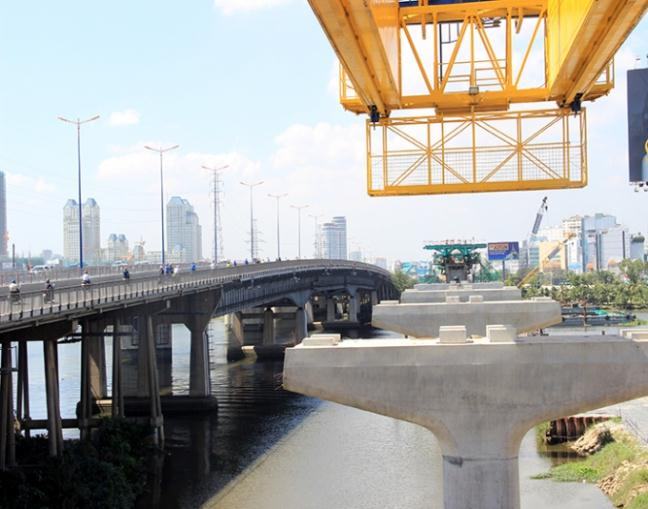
(479, 398)
(425, 319)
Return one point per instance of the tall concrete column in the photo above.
(268, 327)
(199, 378)
(117, 371)
(236, 324)
(310, 314)
(354, 305)
(330, 309)
(54, 425)
(7, 427)
(301, 325)
(153, 387)
(23, 411)
(96, 358)
(374, 298)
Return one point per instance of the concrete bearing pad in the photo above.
(464, 293)
(424, 320)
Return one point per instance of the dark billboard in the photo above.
(638, 124)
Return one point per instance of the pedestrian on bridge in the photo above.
(85, 279)
(126, 274)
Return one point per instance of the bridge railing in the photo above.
(35, 303)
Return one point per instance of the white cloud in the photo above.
(38, 184)
(234, 6)
(126, 117)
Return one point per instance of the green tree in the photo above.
(402, 281)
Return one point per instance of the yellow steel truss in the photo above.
(478, 152)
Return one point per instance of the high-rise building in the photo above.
(334, 239)
(184, 234)
(91, 232)
(3, 215)
(117, 248)
(637, 247)
(71, 231)
(605, 242)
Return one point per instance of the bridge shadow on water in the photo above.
(207, 451)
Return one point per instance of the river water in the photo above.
(267, 448)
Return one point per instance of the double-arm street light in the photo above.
(216, 183)
(78, 123)
(299, 208)
(278, 197)
(162, 151)
(252, 239)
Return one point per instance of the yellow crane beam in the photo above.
(583, 37)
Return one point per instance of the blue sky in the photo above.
(249, 87)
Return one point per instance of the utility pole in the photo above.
(278, 197)
(216, 191)
(252, 229)
(161, 151)
(318, 240)
(78, 123)
(299, 209)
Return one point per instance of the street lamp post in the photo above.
(78, 123)
(216, 190)
(278, 197)
(161, 151)
(299, 209)
(252, 243)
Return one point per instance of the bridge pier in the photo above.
(7, 423)
(331, 309)
(268, 327)
(152, 382)
(54, 424)
(117, 407)
(494, 390)
(23, 411)
(93, 372)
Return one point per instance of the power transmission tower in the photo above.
(216, 191)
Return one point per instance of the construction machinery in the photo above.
(531, 274)
(456, 260)
(499, 85)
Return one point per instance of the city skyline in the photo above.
(311, 150)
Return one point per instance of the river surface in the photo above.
(267, 448)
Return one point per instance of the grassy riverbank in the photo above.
(109, 471)
(620, 469)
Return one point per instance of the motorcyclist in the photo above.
(126, 274)
(85, 279)
(48, 293)
(14, 291)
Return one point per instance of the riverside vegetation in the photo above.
(109, 471)
(619, 466)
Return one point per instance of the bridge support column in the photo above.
(374, 298)
(199, 378)
(93, 372)
(330, 309)
(117, 371)
(152, 383)
(353, 305)
(236, 324)
(23, 412)
(301, 325)
(7, 424)
(268, 327)
(54, 425)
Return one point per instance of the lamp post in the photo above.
(278, 197)
(299, 209)
(162, 151)
(78, 123)
(252, 243)
(216, 190)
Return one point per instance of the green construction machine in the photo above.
(456, 261)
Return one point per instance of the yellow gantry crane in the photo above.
(480, 72)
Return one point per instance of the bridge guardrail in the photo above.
(33, 304)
